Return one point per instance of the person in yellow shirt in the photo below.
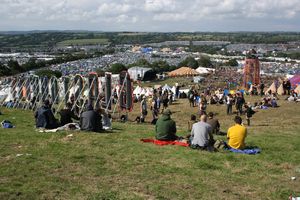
(236, 134)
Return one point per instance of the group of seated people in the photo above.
(89, 120)
(201, 136)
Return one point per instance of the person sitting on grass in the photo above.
(44, 117)
(236, 134)
(66, 115)
(165, 127)
(191, 122)
(90, 120)
(201, 135)
(215, 125)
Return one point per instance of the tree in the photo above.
(232, 63)
(14, 66)
(4, 70)
(205, 61)
(189, 62)
(160, 66)
(100, 72)
(31, 64)
(117, 68)
(48, 73)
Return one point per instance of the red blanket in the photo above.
(161, 143)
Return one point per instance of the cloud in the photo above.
(151, 15)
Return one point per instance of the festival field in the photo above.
(117, 165)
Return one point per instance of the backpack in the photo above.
(6, 124)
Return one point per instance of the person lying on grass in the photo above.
(165, 127)
(236, 134)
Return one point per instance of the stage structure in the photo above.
(29, 92)
(251, 70)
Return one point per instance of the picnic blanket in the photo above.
(162, 143)
(245, 151)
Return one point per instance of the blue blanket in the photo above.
(245, 151)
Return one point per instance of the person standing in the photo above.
(229, 102)
(143, 109)
(239, 103)
(262, 87)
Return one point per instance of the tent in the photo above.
(280, 90)
(272, 88)
(141, 73)
(297, 90)
(183, 71)
(166, 87)
(204, 70)
(295, 80)
(198, 79)
(137, 90)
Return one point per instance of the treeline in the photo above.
(48, 40)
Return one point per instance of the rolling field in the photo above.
(118, 166)
(83, 42)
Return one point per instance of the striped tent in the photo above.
(183, 71)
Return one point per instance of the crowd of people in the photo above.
(202, 127)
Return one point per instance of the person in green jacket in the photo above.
(165, 127)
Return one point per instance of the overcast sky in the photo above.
(150, 15)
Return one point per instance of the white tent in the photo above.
(297, 90)
(137, 72)
(204, 70)
(280, 90)
(166, 87)
(137, 90)
(272, 88)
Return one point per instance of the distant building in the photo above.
(251, 70)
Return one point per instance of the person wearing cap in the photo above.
(201, 135)
(44, 117)
(214, 123)
(165, 127)
(90, 120)
(236, 134)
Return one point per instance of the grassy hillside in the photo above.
(118, 166)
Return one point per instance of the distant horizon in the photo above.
(124, 31)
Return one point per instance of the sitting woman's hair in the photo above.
(193, 117)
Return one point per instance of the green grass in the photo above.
(83, 42)
(118, 166)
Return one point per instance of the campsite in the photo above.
(117, 165)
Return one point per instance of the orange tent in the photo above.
(183, 71)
